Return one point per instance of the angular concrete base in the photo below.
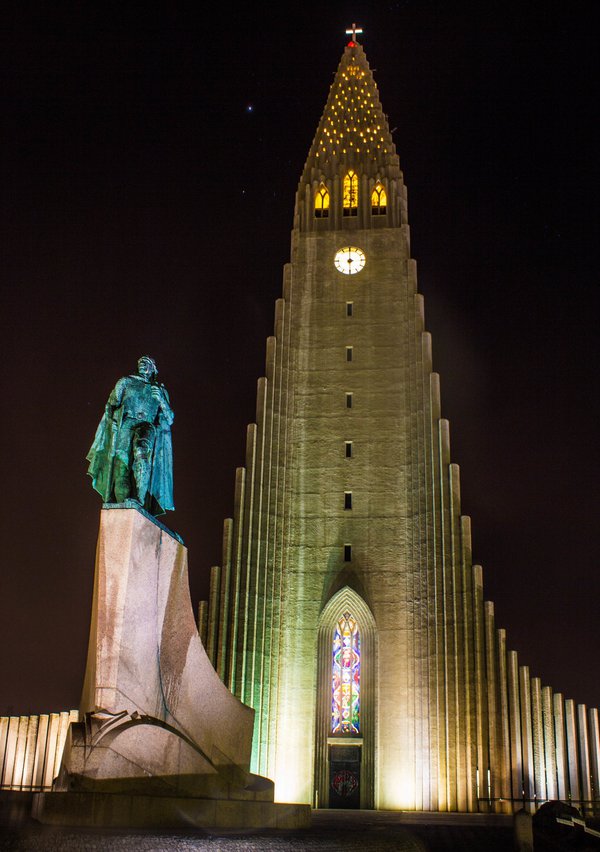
(161, 742)
(152, 703)
(155, 718)
(107, 810)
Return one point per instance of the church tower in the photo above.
(347, 611)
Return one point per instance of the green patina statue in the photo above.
(132, 455)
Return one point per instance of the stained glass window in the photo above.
(378, 200)
(345, 677)
(350, 195)
(322, 202)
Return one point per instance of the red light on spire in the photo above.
(351, 44)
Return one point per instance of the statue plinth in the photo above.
(153, 705)
(155, 720)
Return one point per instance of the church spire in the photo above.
(353, 133)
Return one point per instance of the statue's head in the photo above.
(147, 367)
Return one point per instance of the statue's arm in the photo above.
(116, 398)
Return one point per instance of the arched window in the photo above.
(346, 716)
(378, 200)
(322, 202)
(345, 677)
(350, 195)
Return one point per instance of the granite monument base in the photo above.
(161, 741)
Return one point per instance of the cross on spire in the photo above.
(353, 32)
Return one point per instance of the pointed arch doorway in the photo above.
(346, 713)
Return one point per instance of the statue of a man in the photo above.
(132, 455)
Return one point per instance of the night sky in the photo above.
(150, 160)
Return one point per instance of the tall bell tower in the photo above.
(347, 611)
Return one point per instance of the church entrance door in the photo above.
(344, 776)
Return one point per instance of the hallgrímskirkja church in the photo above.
(347, 611)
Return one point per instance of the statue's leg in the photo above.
(122, 486)
(122, 462)
(143, 446)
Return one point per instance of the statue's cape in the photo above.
(102, 455)
(161, 482)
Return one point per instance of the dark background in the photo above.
(146, 209)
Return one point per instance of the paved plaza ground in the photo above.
(331, 832)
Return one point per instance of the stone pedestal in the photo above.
(156, 723)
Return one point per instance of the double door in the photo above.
(344, 776)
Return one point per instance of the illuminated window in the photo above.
(350, 196)
(378, 200)
(322, 202)
(345, 676)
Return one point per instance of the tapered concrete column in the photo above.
(50, 758)
(594, 741)
(572, 750)
(549, 742)
(29, 755)
(514, 709)
(17, 774)
(584, 755)
(527, 736)
(10, 749)
(480, 695)
(40, 752)
(562, 763)
(538, 741)
(503, 723)
(203, 621)
(236, 559)
(212, 628)
(496, 768)
(223, 614)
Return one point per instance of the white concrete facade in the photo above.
(450, 722)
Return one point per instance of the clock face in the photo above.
(349, 260)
